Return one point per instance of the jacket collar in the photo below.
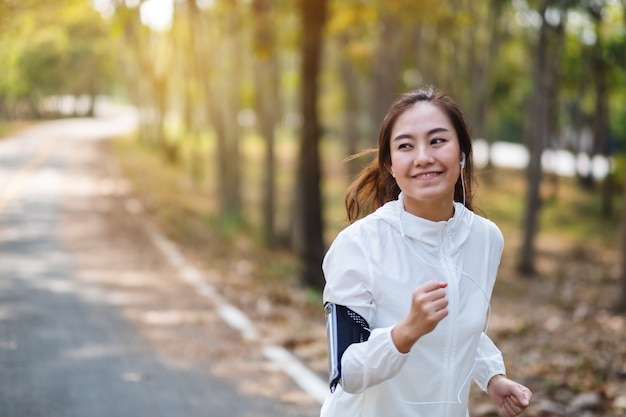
(448, 234)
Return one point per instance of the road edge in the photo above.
(305, 378)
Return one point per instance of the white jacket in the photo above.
(372, 267)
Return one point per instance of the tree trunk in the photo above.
(480, 87)
(221, 96)
(351, 125)
(145, 80)
(385, 70)
(621, 304)
(93, 100)
(267, 106)
(199, 49)
(600, 118)
(536, 132)
(309, 224)
(226, 88)
(159, 87)
(540, 127)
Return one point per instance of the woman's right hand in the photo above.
(429, 305)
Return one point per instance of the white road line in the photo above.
(292, 366)
(303, 376)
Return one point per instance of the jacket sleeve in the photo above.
(348, 273)
(489, 362)
(370, 363)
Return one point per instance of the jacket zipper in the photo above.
(453, 294)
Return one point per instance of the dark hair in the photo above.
(375, 185)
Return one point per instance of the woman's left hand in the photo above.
(511, 397)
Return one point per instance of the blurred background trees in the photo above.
(226, 88)
(46, 54)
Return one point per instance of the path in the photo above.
(93, 321)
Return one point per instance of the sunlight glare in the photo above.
(157, 14)
(205, 4)
(105, 7)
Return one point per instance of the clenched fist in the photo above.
(429, 305)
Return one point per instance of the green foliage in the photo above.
(42, 63)
(566, 215)
(568, 210)
(65, 49)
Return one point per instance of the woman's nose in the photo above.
(422, 157)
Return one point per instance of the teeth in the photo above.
(427, 175)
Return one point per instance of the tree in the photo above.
(44, 51)
(226, 104)
(386, 78)
(45, 54)
(267, 104)
(199, 116)
(482, 58)
(621, 303)
(308, 215)
(600, 126)
(540, 123)
(351, 126)
(89, 50)
(148, 81)
(350, 40)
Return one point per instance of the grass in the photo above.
(568, 211)
(187, 210)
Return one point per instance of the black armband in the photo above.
(343, 328)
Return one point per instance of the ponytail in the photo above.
(372, 188)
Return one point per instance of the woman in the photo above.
(408, 283)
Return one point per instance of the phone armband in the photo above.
(343, 328)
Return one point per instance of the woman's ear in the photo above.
(393, 173)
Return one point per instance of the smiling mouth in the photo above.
(426, 175)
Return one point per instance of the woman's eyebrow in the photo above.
(402, 136)
(429, 133)
(437, 130)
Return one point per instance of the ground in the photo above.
(105, 230)
(557, 330)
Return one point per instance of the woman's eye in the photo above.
(437, 141)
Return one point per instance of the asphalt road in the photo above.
(91, 326)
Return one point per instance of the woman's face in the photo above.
(426, 160)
